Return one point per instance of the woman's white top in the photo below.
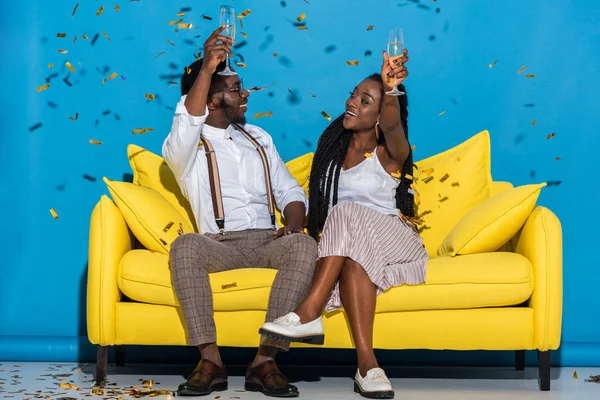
(370, 185)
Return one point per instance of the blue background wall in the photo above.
(42, 281)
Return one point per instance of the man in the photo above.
(209, 121)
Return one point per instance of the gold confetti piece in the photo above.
(188, 70)
(150, 382)
(149, 96)
(185, 26)
(244, 35)
(529, 75)
(43, 87)
(146, 130)
(370, 27)
(100, 10)
(244, 14)
(55, 216)
(302, 27)
(492, 64)
(275, 54)
(171, 43)
(74, 39)
(533, 122)
(368, 155)
(181, 14)
(323, 113)
(260, 114)
(74, 118)
(557, 158)
(159, 54)
(97, 390)
(455, 184)
(428, 179)
(103, 81)
(117, 8)
(61, 51)
(68, 64)
(269, 113)
(521, 70)
(241, 65)
(84, 37)
(442, 113)
(173, 83)
(413, 148)
(106, 36)
(97, 142)
(137, 130)
(301, 17)
(550, 136)
(443, 199)
(50, 65)
(575, 376)
(396, 174)
(443, 178)
(428, 171)
(175, 22)
(75, 9)
(354, 63)
(113, 76)
(61, 35)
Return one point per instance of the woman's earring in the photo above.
(377, 130)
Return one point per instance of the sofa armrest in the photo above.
(110, 239)
(540, 240)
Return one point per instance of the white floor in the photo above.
(42, 380)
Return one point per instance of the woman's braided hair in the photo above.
(330, 155)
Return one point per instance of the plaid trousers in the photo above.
(194, 256)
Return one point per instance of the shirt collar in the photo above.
(211, 131)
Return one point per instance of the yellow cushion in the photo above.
(151, 171)
(300, 169)
(500, 186)
(148, 215)
(472, 281)
(492, 223)
(444, 200)
(145, 276)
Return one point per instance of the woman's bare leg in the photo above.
(358, 295)
(327, 274)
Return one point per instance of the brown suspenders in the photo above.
(215, 182)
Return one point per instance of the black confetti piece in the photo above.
(432, 37)
(270, 94)
(294, 97)
(127, 177)
(240, 44)
(189, 42)
(117, 117)
(67, 82)
(267, 28)
(437, 10)
(186, 9)
(532, 174)
(423, 7)
(283, 4)
(306, 143)
(368, 53)
(454, 102)
(529, 105)
(34, 127)
(520, 137)
(106, 112)
(61, 187)
(95, 38)
(553, 183)
(52, 105)
(286, 62)
(266, 43)
(330, 49)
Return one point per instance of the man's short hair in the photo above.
(188, 79)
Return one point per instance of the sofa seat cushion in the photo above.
(461, 282)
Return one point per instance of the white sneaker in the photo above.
(375, 385)
(289, 328)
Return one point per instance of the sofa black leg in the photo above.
(120, 356)
(101, 365)
(520, 360)
(544, 370)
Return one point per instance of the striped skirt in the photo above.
(386, 246)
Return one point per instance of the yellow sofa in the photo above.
(501, 300)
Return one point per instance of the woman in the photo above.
(359, 199)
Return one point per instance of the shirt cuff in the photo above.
(193, 120)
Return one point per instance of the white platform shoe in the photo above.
(375, 385)
(289, 328)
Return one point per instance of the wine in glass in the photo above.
(227, 19)
(395, 51)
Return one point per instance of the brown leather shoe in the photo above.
(267, 379)
(206, 378)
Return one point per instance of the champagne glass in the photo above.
(227, 18)
(395, 50)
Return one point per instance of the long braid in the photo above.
(330, 155)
